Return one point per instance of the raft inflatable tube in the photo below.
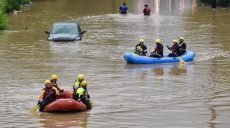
(65, 104)
(133, 58)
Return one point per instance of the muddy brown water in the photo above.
(195, 95)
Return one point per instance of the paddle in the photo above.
(181, 60)
(38, 105)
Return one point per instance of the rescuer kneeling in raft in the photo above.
(83, 95)
(47, 95)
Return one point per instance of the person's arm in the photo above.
(41, 96)
(56, 91)
(170, 48)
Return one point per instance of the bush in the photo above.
(12, 5)
(3, 22)
(24, 1)
(219, 2)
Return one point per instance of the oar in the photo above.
(181, 60)
(38, 105)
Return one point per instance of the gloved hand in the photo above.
(88, 96)
(168, 47)
(39, 102)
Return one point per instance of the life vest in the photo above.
(147, 11)
(76, 84)
(52, 94)
(175, 49)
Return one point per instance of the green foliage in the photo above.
(12, 5)
(24, 1)
(3, 22)
(224, 3)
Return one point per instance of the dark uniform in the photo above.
(175, 50)
(182, 46)
(141, 49)
(146, 10)
(158, 52)
(123, 9)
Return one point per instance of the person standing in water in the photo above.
(123, 9)
(146, 10)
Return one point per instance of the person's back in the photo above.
(83, 95)
(182, 46)
(158, 51)
(146, 10)
(123, 9)
(160, 47)
(140, 48)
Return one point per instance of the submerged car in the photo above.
(65, 31)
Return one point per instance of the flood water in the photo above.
(194, 95)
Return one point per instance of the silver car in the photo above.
(65, 31)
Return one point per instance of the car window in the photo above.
(64, 29)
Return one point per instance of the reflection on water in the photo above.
(65, 120)
(176, 69)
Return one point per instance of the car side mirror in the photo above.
(47, 32)
(83, 32)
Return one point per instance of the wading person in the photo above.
(140, 48)
(123, 9)
(158, 51)
(146, 10)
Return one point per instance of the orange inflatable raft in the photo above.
(65, 104)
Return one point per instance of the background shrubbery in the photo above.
(3, 23)
(224, 3)
(7, 6)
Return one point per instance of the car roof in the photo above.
(66, 23)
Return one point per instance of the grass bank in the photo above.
(7, 6)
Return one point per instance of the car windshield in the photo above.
(64, 29)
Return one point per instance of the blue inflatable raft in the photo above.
(136, 59)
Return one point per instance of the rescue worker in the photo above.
(140, 48)
(83, 95)
(146, 10)
(123, 9)
(77, 83)
(53, 80)
(174, 48)
(47, 95)
(158, 52)
(182, 46)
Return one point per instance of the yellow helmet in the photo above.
(142, 40)
(175, 41)
(84, 83)
(54, 77)
(157, 40)
(181, 38)
(47, 81)
(80, 77)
